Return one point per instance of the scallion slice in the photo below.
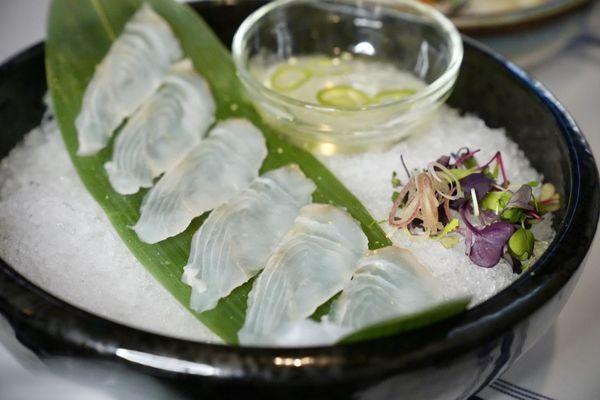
(342, 96)
(289, 77)
(389, 96)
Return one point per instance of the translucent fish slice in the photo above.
(163, 131)
(127, 76)
(313, 262)
(389, 283)
(238, 237)
(221, 166)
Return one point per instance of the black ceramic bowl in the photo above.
(449, 360)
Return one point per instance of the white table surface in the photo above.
(565, 363)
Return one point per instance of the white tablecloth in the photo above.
(565, 363)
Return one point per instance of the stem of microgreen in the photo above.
(466, 157)
(498, 158)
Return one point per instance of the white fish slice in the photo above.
(163, 131)
(313, 262)
(238, 237)
(308, 332)
(127, 76)
(221, 166)
(389, 283)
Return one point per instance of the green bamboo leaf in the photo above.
(79, 35)
(409, 322)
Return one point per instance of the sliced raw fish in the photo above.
(238, 237)
(221, 166)
(313, 262)
(389, 283)
(130, 72)
(163, 131)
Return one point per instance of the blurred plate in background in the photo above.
(482, 16)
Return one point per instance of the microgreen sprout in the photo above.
(475, 202)
(495, 218)
(395, 180)
(499, 163)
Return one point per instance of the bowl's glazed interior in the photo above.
(450, 359)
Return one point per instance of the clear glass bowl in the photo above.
(411, 36)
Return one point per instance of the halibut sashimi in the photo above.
(163, 131)
(236, 240)
(388, 283)
(313, 262)
(127, 76)
(220, 167)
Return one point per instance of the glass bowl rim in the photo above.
(450, 73)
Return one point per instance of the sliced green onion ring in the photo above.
(389, 96)
(342, 96)
(448, 177)
(289, 77)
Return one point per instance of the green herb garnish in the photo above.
(395, 180)
(459, 184)
(521, 244)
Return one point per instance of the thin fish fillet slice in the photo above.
(313, 262)
(236, 240)
(389, 283)
(163, 131)
(220, 167)
(130, 72)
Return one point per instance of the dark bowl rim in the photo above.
(44, 313)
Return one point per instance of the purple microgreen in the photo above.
(492, 215)
(468, 158)
(489, 242)
(457, 204)
(522, 199)
(478, 181)
(499, 163)
(485, 246)
(488, 216)
(460, 152)
(444, 160)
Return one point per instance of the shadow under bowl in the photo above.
(450, 359)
